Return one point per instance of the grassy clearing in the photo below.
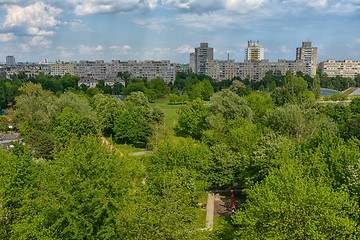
(124, 149)
(170, 111)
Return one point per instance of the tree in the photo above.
(203, 90)
(192, 119)
(300, 123)
(315, 86)
(107, 109)
(35, 105)
(70, 125)
(260, 103)
(159, 86)
(174, 98)
(229, 105)
(291, 204)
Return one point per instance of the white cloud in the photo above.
(39, 41)
(201, 6)
(156, 24)
(284, 49)
(87, 7)
(317, 3)
(35, 18)
(357, 39)
(243, 5)
(6, 37)
(36, 41)
(90, 50)
(122, 50)
(185, 49)
(209, 22)
(66, 54)
(77, 25)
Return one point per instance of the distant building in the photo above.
(256, 70)
(146, 70)
(62, 68)
(346, 68)
(192, 62)
(308, 54)
(10, 61)
(221, 70)
(202, 56)
(181, 67)
(254, 52)
(91, 69)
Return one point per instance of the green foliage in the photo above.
(260, 103)
(159, 87)
(35, 105)
(192, 119)
(202, 90)
(132, 127)
(70, 125)
(174, 98)
(300, 123)
(293, 91)
(229, 105)
(107, 109)
(335, 97)
(315, 86)
(290, 204)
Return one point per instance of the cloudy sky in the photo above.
(34, 30)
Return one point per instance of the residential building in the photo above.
(62, 68)
(256, 70)
(145, 69)
(346, 68)
(202, 56)
(254, 52)
(91, 69)
(221, 70)
(308, 54)
(10, 61)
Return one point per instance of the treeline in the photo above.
(186, 87)
(294, 161)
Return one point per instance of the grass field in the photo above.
(170, 111)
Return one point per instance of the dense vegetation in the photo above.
(295, 161)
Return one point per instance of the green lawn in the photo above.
(171, 111)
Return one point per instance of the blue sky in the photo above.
(169, 29)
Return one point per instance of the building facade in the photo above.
(221, 70)
(308, 54)
(202, 56)
(62, 68)
(346, 68)
(254, 52)
(256, 70)
(10, 61)
(100, 70)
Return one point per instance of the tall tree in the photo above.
(192, 119)
(290, 204)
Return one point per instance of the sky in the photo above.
(73, 30)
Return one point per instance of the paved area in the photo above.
(210, 212)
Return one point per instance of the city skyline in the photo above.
(171, 29)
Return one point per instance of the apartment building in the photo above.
(254, 52)
(308, 54)
(346, 68)
(91, 69)
(202, 56)
(221, 70)
(62, 68)
(256, 70)
(145, 69)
